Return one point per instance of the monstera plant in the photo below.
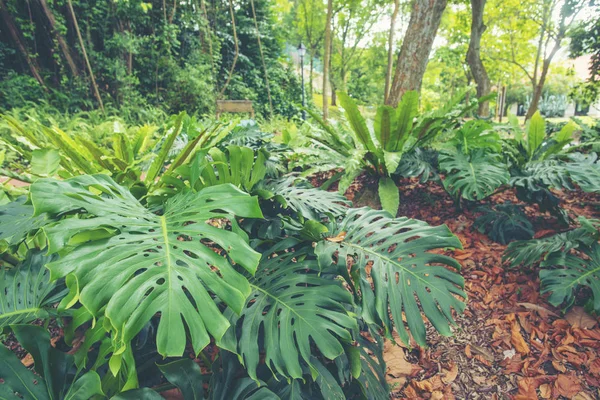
(224, 294)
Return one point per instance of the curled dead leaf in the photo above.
(578, 318)
(450, 374)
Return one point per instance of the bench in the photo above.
(234, 106)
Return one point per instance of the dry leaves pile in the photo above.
(510, 343)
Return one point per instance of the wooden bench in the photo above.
(234, 106)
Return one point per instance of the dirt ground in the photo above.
(510, 343)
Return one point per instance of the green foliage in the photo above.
(135, 252)
(530, 251)
(476, 134)
(293, 303)
(504, 223)
(396, 253)
(474, 176)
(51, 366)
(569, 260)
(28, 293)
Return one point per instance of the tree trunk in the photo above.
(84, 52)
(62, 43)
(424, 22)
(17, 37)
(474, 57)
(537, 92)
(333, 96)
(310, 77)
(327, 56)
(390, 62)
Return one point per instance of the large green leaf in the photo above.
(536, 132)
(17, 220)
(473, 177)
(186, 375)
(576, 271)
(406, 112)
(292, 307)
(384, 120)
(163, 154)
(237, 165)
(389, 195)
(228, 383)
(45, 162)
(357, 122)
(420, 163)
(476, 134)
(396, 271)
(539, 174)
(26, 290)
(306, 200)
(527, 252)
(137, 263)
(585, 171)
(51, 366)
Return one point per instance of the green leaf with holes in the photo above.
(125, 262)
(293, 306)
(474, 176)
(26, 291)
(399, 276)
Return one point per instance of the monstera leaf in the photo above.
(527, 252)
(473, 177)
(291, 308)
(130, 263)
(17, 220)
(585, 171)
(419, 163)
(504, 223)
(576, 271)
(396, 272)
(539, 174)
(27, 292)
(51, 365)
(306, 200)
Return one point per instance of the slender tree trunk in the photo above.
(412, 61)
(539, 87)
(17, 37)
(310, 77)
(327, 57)
(62, 43)
(84, 52)
(390, 62)
(262, 58)
(474, 56)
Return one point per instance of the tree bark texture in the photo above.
(327, 57)
(474, 56)
(62, 43)
(390, 62)
(412, 61)
(17, 37)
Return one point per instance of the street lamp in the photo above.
(301, 53)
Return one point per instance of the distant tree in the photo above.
(474, 55)
(585, 39)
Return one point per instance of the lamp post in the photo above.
(301, 52)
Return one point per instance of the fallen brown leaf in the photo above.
(450, 374)
(578, 318)
(567, 386)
